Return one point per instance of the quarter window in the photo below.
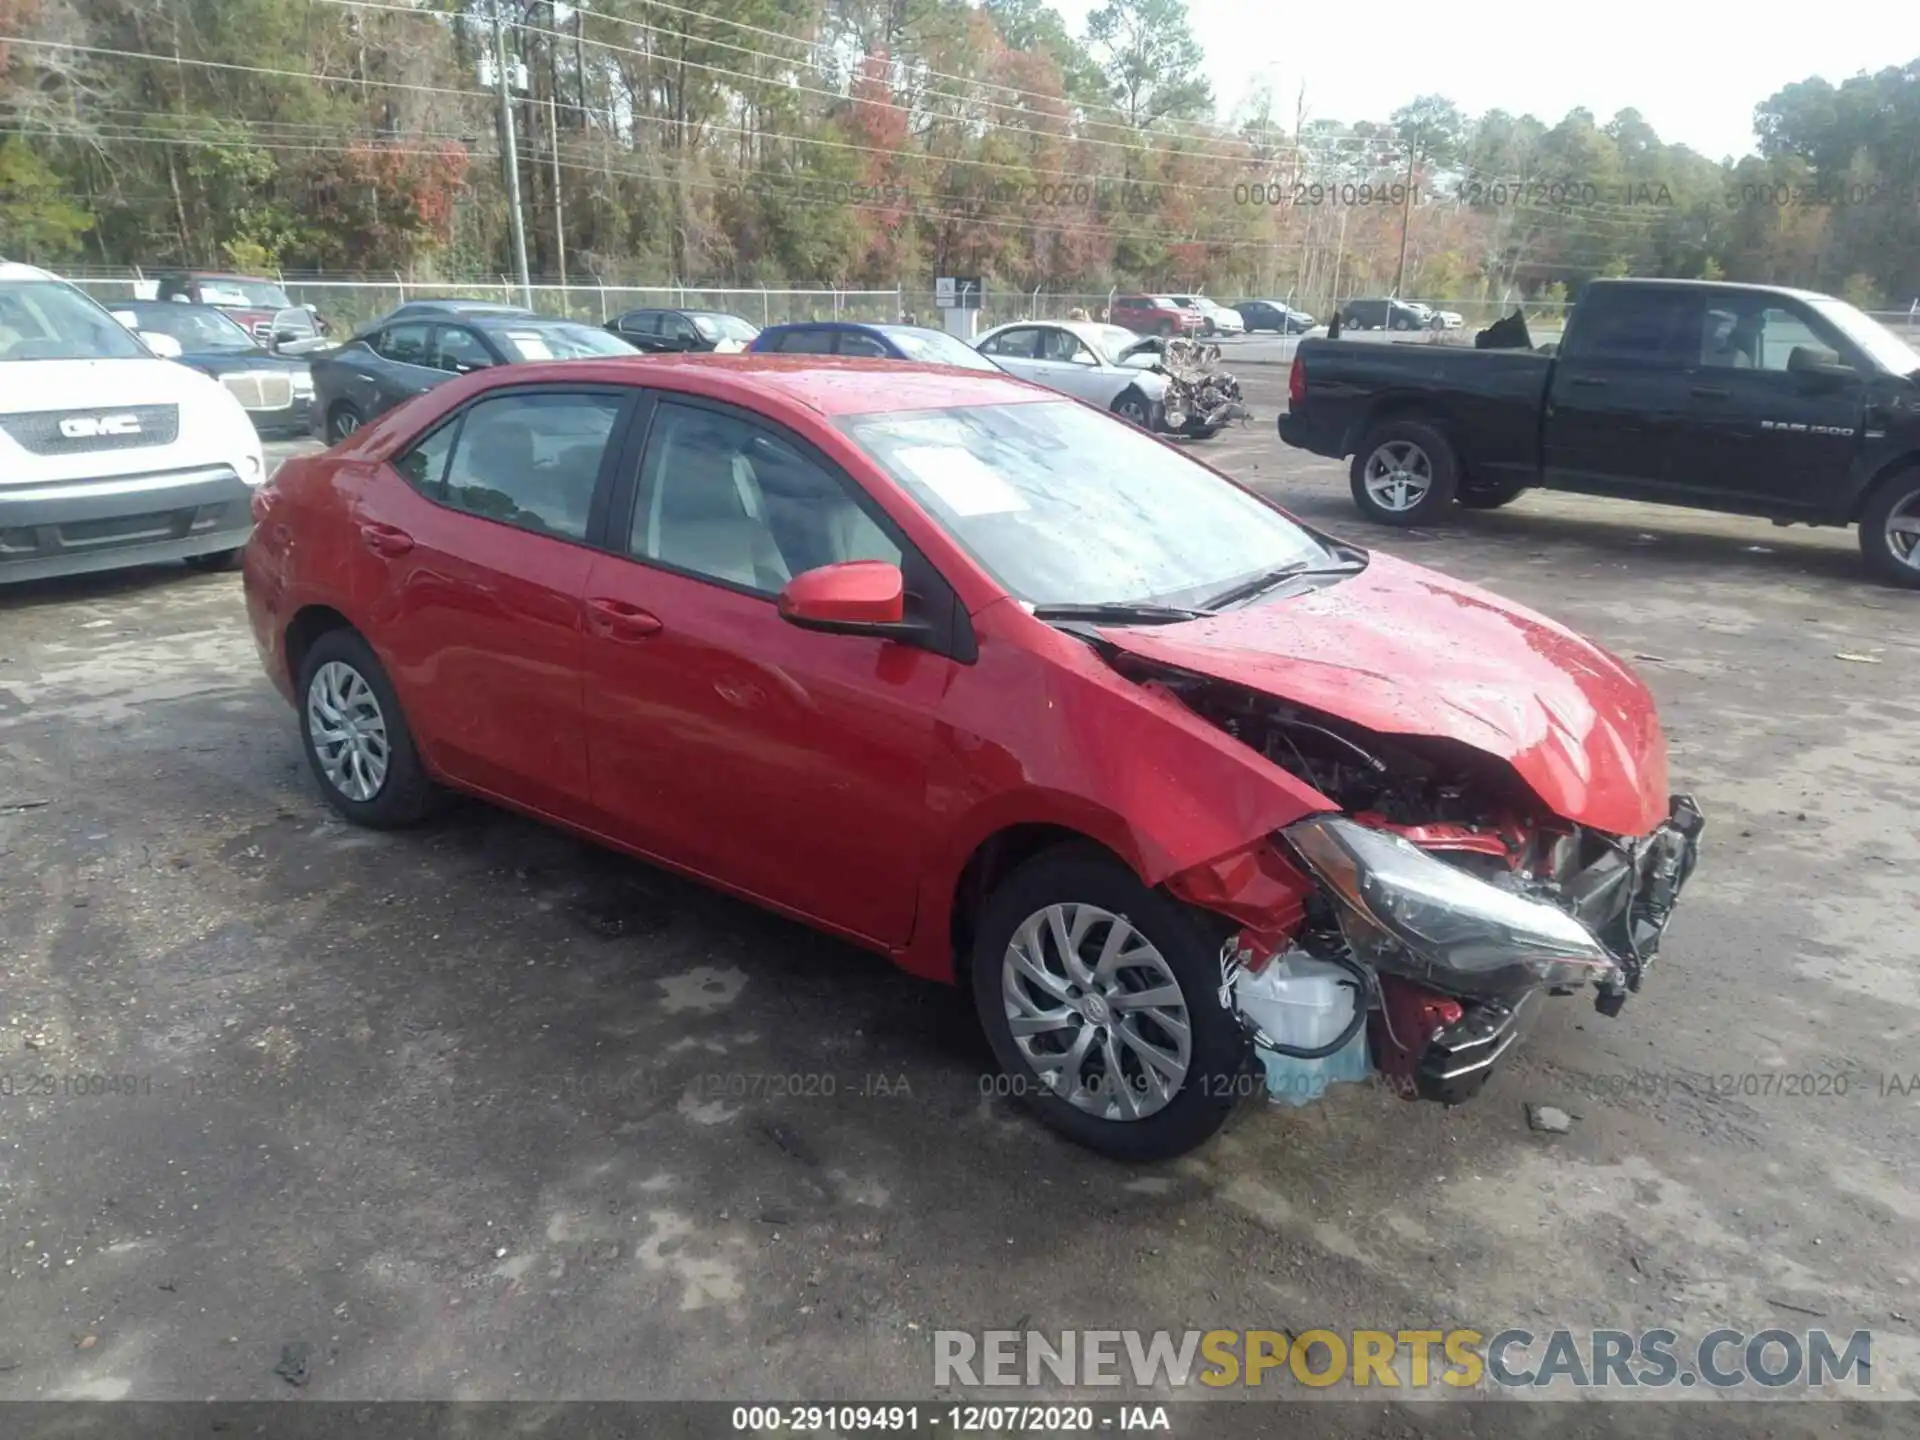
(531, 460)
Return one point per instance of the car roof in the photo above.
(828, 385)
(458, 306)
(1092, 331)
(12, 270)
(1727, 285)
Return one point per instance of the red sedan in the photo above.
(1193, 798)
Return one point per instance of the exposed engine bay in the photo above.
(1201, 397)
(1441, 970)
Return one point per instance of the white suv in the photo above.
(109, 455)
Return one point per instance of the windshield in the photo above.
(1883, 347)
(936, 347)
(725, 327)
(562, 341)
(245, 294)
(48, 320)
(1065, 505)
(197, 330)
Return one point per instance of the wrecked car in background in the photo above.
(1184, 792)
(1201, 399)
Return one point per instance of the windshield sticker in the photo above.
(530, 344)
(963, 483)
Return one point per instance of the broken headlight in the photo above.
(1404, 910)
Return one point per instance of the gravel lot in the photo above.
(436, 1103)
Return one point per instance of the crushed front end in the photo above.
(1451, 897)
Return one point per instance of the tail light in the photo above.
(1296, 382)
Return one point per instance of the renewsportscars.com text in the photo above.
(1507, 1360)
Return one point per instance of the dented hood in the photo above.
(1401, 650)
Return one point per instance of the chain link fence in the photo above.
(350, 303)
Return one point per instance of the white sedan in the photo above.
(1218, 318)
(1085, 360)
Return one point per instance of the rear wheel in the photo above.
(356, 738)
(342, 421)
(1890, 531)
(1101, 999)
(1404, 473)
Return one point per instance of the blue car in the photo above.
(874, 342)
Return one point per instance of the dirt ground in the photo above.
(439, 1105)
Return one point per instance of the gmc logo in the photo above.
(88, 427)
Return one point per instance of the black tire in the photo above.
(217, 561)
(1438, 468)
(342, 420)
(1895, 500)
(1489, 497)
(406, 794)
(1189, 946)
(1132, 405)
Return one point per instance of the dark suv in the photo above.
(1383, 315)
(1156, 315)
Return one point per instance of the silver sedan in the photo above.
(1085, 360)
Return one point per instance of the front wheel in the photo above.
(342, 421)
(1404, 473)
(1890, 531)
(1134, 407)
(356, 738)
(1101, 999)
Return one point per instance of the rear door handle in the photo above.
(1708, 392)
(1589, 382)
(385, 540)
(618, 620)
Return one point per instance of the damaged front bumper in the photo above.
(1460, 962)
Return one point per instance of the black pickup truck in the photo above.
(1748, 399)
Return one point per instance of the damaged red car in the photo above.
(1186, 793)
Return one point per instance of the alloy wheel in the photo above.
(1133, 410)
(1903, 531)
(345, 422)
(1398, 476)
(348, 730)
(1096, 1012)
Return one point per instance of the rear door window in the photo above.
(532, 460)
(1646, 327)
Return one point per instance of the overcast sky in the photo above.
(1694, 71)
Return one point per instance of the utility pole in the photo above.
(1406, 223)
(553, 135)
(512, 154)
(559, 220)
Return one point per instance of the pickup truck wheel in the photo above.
(1890, 531)
(1101, 1000)
(1405, 473)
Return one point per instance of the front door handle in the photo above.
(617, 620)
(1708, 392)
(1588, 382)
(385, 540)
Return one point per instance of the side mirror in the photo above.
(853, 597)
(1823, 368)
